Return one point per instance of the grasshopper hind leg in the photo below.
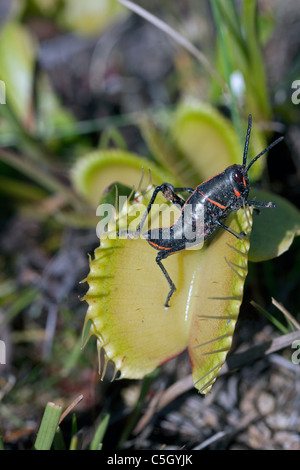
(162, 255)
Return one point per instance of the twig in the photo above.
(257, 352)
(151, 409)
(229, 433)
(286, 313)
(70, 407)
(177, 389)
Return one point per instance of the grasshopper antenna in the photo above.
(264, 151)
(247, 139)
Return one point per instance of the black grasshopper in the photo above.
(217, 197)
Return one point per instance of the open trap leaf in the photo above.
(91, 16)
(223, 270)
(127, 293)
(208, 140)
(93, 173)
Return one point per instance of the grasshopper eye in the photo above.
(237, 176)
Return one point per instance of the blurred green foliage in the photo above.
(43, 138)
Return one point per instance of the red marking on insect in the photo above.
(212, 201)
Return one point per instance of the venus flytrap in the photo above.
(126, 303)
(126, 293)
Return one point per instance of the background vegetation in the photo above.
(92, 76)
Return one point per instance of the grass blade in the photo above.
(270, 317)
(234, 105)
(96, 443)
(48, 427)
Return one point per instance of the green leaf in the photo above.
(273, 229)
(17, 56)
(96, 443)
